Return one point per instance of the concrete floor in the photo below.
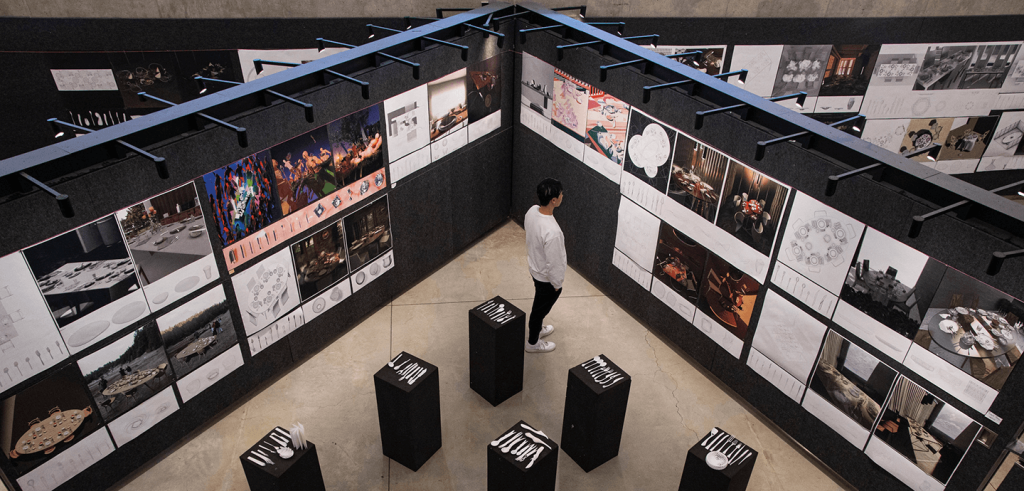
(673, 401)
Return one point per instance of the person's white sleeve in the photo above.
(554, 252)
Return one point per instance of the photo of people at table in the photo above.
(852, 380)
(728, 295)
(698, 172)
(197, 332)
(973, 327)
(320, 259)
(162, 233)
(83, 270)
(368, 232)
(46, 419)
(303, 167)
(752, 206)
(357, 146)
(128, 371)
(679, 262)
(933, 435)
(891, 282)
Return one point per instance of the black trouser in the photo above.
(543, 300)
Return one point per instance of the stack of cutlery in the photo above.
(408, 372)
(270, 445)
(720, 441)
(497, 311)
(601, 372)
(523, 443)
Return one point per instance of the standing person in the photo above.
(545, 246)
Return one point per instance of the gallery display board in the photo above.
(760, 272)
(118, 326)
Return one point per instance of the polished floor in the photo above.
(673, 401)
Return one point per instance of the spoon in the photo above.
(497, 442)
(714, 431)
(508, 446)
(392, 362)
(596, 359)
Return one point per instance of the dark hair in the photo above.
(547, 190)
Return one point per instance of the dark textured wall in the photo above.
(435, 213)
(589, 220)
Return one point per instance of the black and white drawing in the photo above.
(801, 69)
(88, 281)
(788, 336)
(968, 138)
(408, 122)
(762, 65)
(820, 242)
(29, 340)
(966, 67)
(1008, 140)
(128, 371)
(205, 376)
(648, 150)
(266, 291)
(143, 417)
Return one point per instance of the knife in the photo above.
(714, 431)
(257, 462)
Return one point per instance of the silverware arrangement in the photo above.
(523, 444)
(602, 374)
(410, 372)
(496, 312)
(720, 441)
(276, 443)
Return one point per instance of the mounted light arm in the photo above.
(409, 21)
(522, 32)
(321, 44)
(161, 163)
(465, 49)
(803, 137)
(620, 27)
(605, 68)
(243, 137)
(581, 8)
(307, 107)
(743, 109)
(487, 32)
(560, 49)
(996, 262)
(63, 200)
(652, 37)
(857, 124)
(918, 220)
(833, 180)
(932, 151)
(415, 66)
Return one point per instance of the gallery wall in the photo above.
(600, 201)
(182, 308)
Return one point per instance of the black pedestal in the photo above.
(410, 415)
(496, 350)
(698, 476)
(594, 412)
(301, 472)
(504, 473)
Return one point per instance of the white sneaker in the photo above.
(548, 329)
(540, 347)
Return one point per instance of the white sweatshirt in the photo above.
(545, 247)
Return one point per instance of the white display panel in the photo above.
(819, 242)
(143, 417)
(718, 334)
(69, 463)
(266, 291)
(637, 233)
(804, 290)
(372, 271)
(409, 164)
(75, 80)
(485, 126)
(776, 375)
(300, 56)
(788, 337)
(205, 376)
(408, 122)
(632, 269)
(328, 299)
(27, 331)
(761, 63)
(675, 301)
(275, 332)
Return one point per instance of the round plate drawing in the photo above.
(129, 313)
(186, 284)
(336, 294)
(194, 386)
(213, 374)
(716, 460)
(87, 333)
(374, 269)
(387, 262)
(360, 278)
(319, 304)
(161, 298)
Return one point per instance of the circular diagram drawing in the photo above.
(650, 149)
